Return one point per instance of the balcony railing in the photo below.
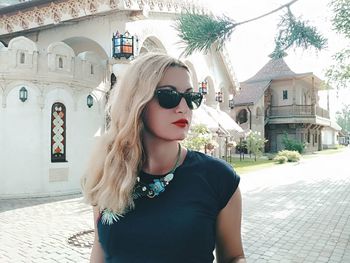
(297, 111)
(322, 112)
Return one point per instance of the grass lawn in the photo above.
(325, 152)
(249, 164)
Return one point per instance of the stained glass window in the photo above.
(58, 132)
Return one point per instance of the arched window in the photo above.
(22, 58)
(242, 116)
(60, 62)
(91, 69)
(113, 80)
(58, 132)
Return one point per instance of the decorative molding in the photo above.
(59, 12)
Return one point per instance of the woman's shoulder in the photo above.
(208, 161)
(219, 174)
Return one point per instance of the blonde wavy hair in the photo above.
(118, 156)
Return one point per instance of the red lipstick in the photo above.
(181, 123)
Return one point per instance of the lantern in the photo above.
(123, 45)
(203, 87)
(23, 94)
(231, 103)
(89, 101)
(219, 97)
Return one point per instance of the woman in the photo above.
(155, 201)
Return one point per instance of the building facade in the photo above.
(278, 102)
(56, 71)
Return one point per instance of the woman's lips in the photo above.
(181, 123)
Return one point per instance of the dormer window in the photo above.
(285, 95)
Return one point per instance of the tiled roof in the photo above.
(274, 69)
(252, 89)
(251, 92)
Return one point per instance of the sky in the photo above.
(251, 43)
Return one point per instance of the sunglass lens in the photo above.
(193, 99)
(168, 98)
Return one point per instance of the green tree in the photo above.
(255, 144)
(343, 117)
(198, 137)
(338, 74)
(200, 31)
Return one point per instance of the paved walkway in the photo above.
(299, 212)
(292, 213)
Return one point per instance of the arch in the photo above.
(60, 48)
(91, 57)
(210, 97)
(60, 57)
(22, 43)
(58, 92)
(12, 98)
(15, 84)
(152, 44)
(81, 44)
(193, 74)
(242, 116)
(23, 53)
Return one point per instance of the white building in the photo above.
(56, 54)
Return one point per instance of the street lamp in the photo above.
(23, 94)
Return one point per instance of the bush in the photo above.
(280, 159)
(292, 156)
(270, 156)
(293, 145)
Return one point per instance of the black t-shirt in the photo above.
(179, 225)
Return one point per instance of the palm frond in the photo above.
(297, 33)
(200, 31)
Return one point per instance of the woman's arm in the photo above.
(228, 232)
(96, 252)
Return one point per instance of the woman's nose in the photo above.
(182, 107)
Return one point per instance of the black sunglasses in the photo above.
(169, 98)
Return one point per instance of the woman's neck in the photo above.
(161, 156)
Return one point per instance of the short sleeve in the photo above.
(221, 179)
(228, 182)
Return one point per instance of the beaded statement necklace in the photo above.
(158, 186)
(143, 189)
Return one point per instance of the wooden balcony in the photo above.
(296, 114)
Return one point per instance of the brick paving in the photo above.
(292, 213)
(37, 230)
(299, 212)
